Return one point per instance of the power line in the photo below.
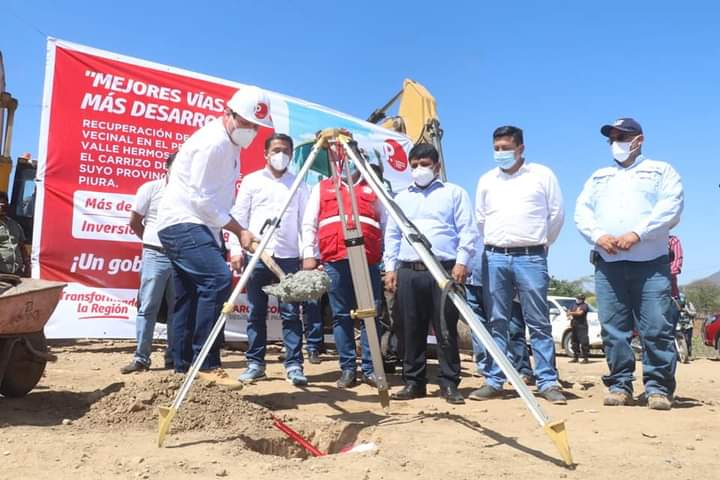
(31, 25)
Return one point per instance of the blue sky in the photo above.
(557, 69)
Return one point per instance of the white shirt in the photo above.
(645, 198)
(310, 247)
(260, 197)
(520, 210)
(147, 200)
(202, 180)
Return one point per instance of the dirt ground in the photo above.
(87, 421)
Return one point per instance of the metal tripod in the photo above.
(359, 271)
(554, 429)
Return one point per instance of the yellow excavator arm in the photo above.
(416, 116)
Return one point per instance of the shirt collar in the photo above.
(523, 168)
(414, 188)
(270, 175)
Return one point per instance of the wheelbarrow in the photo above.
(25, 307)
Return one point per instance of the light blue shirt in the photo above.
(443, 213)
(645, 198)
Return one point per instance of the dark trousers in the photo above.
(418, 307)
(202, 285)
(579, 339)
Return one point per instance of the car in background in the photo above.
(562, 334)
(711, 331)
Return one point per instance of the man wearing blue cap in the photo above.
(626, 211)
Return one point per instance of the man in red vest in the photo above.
(323, 238)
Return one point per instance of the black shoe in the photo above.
(347, 379)
(451, 395)
(486, 392)
(370, 379)
(554, 396)
(169, 365)
(134, 366)
(314, 358)
(574, 360)
(409, 392)
(585, 360)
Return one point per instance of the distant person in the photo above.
(12, 240)
(580, 340)
(156, 277)
(676, 263)
(519, 209)
(194, 209)
(626, 212)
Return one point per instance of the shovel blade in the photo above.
(166, 416)
(557, 433)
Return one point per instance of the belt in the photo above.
(153, 247)
(531, 250)
(420, 266)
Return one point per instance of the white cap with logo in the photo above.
(252, 104)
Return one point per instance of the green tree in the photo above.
(704, 295)
(565, 288)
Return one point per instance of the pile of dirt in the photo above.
(206, 407)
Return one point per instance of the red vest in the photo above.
(330, 232)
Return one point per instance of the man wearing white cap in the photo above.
(194, 210)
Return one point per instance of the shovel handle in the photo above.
(268, 261)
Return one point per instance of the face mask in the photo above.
(621, 150)
(578, 301)
(242, 137)
(504, 159)
(423, 176)
(279, 161)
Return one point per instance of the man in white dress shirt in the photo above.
(626, 212)
(261, 196)
(519, 210)
(194, 209)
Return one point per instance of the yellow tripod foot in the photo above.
(558, 435)
(166, 416)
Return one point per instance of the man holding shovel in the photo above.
(194, 209)
(261, 197)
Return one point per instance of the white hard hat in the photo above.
(252, 104)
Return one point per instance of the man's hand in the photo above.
(391, 281)
(246, 240)
(309, 264)
(627, 241)
(236, 262)
(459, 273)
(608, 243)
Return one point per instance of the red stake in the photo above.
(296, 437)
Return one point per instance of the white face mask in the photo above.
(279, 161)
(621, 150)
(242, 137)
(423, 176)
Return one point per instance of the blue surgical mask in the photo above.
(504, 159)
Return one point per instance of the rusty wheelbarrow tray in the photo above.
(25, 308)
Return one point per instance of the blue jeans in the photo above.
(517, 348)
(257, 320)
(528, 275)
(473, 295)
(313, 326)
(202, 286)
(156, 281)
(637, 290)
(342, 300)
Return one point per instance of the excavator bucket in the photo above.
(417, 106)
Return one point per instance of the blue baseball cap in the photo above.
(624, 125)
